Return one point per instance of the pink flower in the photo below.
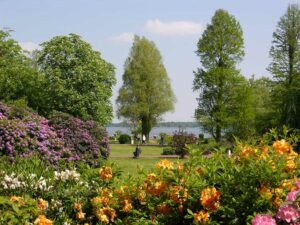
(298, 185)
(288, 213)
(263, 220)
(291, 196)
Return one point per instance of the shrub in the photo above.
(164, 139)
(168, 151)
(86, 138)
(124, 139)
(180, 140)
(23, 132)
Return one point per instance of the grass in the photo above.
(126, 150)
(121, 156)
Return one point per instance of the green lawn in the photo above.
(127, 150)
(121, 156)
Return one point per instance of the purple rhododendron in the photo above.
(24, 133)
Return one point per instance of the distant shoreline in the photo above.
(162, 124)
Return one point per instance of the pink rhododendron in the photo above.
(288, 213)
(291, 196)
(298, 185)
(263, 220)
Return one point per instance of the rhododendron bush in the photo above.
(24, 133)
(257, 184)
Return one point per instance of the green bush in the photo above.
(168, 151)
(124, 139)
(180, 140)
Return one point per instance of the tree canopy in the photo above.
(146, 92)
(222, 88)
(77, 80)
(18, 78)
(285, 67)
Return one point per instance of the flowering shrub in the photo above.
(179, 141)
(24, 133)
(217, 189)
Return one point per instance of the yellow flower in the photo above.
(105, 173)
(106, 214)
(164, 164)
(18, 200)
(201, 216)
(80, 215)
(179, 194)
(265, 193)
(42, 220)
(42, 204)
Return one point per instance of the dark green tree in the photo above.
(285, 67)
(220, 49)
(146, 93)
(77, 80)
(18, 77)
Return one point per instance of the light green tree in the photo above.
(222, 88)
(285, 67)
(77, 80)
(146, 92)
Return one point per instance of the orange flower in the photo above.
(163, 208)
(106, 214)
(201, 216)
(265, 193)
(180, 166)
(105, 173)
(127, 206)
(18, 200)
(42, 220)
(164, 164)
(80, 215)
(282, 146)
(42, 204)
(210, 198)
(77, 206)
(179, 194)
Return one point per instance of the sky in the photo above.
(174, 25)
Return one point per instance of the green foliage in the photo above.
(16, 211)
(77, 80)
(124, 139)
(222, 88)
(18, 78)
(164, 139)
(262, 105)
(285, 67)
(168, 151)
(146, 92)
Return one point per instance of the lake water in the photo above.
(156, 130)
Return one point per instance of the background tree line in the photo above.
(229, 104)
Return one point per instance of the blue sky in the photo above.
(174, 25)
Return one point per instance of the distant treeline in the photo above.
(162, 124)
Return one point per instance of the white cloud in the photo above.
(124, 37)
(29, 46)
(175, 28)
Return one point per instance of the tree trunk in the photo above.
(146, 127)
(218, 133)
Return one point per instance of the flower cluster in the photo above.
(66, 175)
(210, 199)
(24, 133)
(12, 182)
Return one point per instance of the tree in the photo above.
(146, 93)
(77, 80)
(18, 78)
(262, 105)
(285, 67)
(220, 49)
